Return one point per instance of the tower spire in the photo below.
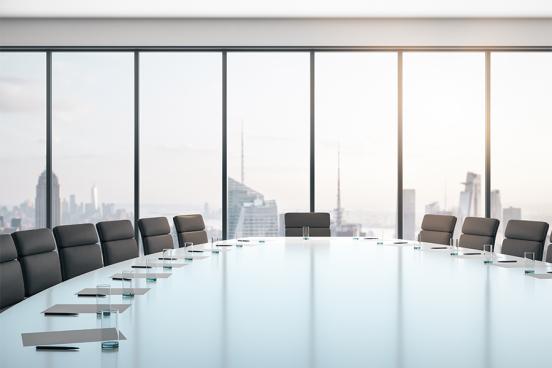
(242, 156)
(339, 210)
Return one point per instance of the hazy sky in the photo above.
(269, 94)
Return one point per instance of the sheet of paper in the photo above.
(137, 275)
(70, 336)
(85, 308)
(114, 291)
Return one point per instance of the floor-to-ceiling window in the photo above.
(268, 140)
(93, 135)
(23, 140)
(521, 127)
(181, 136)
(444, 136)
(356, 141)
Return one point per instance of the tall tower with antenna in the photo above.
(242, 156)
(338, 210)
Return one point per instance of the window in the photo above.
(93, 135)
(444, 136)
(356, 141)
(181, 136)
(521, 126)
(268, 140)
(23, 148)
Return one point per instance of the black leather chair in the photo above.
(118, 242)
(477, 232)
(78, 248)
(36, 250)
(524, 236)
(190, 229)
(318, 223)
(12, 287)
(437, 229)
(156, 234)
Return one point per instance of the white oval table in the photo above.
(323, 302)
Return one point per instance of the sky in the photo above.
(268, 94)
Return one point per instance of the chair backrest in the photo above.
(156, 234)
(524, 236)
(36, 251)
(78, 248)
(318, 223)
(12, 287)
(118, 242)
(477, 232)
(437, 229)
(190, 229)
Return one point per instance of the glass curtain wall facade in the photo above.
(23, 141)
(267, 105)
(92, 137)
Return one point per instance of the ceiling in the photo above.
(279, 8)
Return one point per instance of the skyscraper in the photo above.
(249, 213)
(496, 205)
(338, 211)
(94, 198)
(470, 197)
(40, 201)
(511, 213)
(409, 217)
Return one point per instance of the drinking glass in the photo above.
(453, 247)
(167, 259)
(103, 291)
(380, 239)
(356, 233)
(529, 262)
(127, 280)
(417, 245)
(150, 277)
(488, 254)
(110, 319)
(306, 232)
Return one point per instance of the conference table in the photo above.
(318, 302)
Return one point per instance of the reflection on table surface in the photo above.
(322, 302)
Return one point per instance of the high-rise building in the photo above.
(496, 205)
(248, 212)
(94, 198)
(510, 213)
(470, 197)
(258, 218)
(40, 201)
(338, 211)
(409, 217)
(433, 208)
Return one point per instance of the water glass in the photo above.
(380, 239)
(529, 262)
(453, 247)
(110, 319)
(167, 259)
(417, 245)
(103, 298)
(150, 277)
(488, 254)
(356, 233)
(306, 232)
(127, 280)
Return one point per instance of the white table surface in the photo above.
(323, 302)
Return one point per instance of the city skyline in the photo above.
(355, 110)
